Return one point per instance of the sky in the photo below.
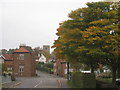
(33, 22)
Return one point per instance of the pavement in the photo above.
(5, 79)
(43, 80)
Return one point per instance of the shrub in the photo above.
(9, 74)
(75, 78)
(83, 80)
(47, 67)
(87, 80)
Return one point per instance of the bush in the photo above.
(75, 78)
(88, 80)
(83, 80)
(47, 67)
(9, 74)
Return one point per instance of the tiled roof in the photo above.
(22, 49)
(8, 56)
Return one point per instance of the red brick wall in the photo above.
(28, 62)
(59, 68)
(8, 63)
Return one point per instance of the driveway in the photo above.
(43, 80)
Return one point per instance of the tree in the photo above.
(29, 48)
(11, 51)
(91, 36)
(4, 51)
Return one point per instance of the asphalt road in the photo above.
(43, 80)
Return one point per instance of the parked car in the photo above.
(118, 82)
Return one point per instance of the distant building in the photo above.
(46, 48)
(60, 68)
(41, 58)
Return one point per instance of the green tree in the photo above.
(4, 51)
(29, 48)
(91, 36)
(10, 51)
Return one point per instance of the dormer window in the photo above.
(21, 56)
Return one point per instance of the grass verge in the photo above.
(71, 85)
(105, 80)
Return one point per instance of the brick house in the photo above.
(2, 58)
(23, 62)
(8, 61)
(60, 68)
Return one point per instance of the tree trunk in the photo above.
(114, 75)
(118, 72)
(92, 69)
(68, 70)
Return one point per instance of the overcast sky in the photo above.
(33, 22)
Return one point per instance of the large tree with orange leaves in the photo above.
(91, 36)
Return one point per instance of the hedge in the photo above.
(83, 80)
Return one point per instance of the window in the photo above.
(66, 65)
(21, 68)
(9, 68)
(21, 56)
(65, 71)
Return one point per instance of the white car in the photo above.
(118, 82)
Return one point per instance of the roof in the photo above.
(8, 56)
(22, 49)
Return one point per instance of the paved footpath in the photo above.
(43, 80)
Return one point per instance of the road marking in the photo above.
(15, 84)
(38, 83)
(59, 84)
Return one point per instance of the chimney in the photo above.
(22, 45)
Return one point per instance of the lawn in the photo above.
(106, 80)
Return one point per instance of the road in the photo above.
(43, 80)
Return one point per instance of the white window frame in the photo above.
(21, 68)
(21, 56)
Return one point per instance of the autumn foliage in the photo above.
(91, 36)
